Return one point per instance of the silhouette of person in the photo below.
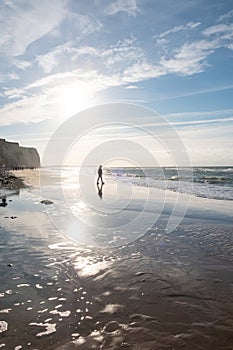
(100, 190)
(100, 175)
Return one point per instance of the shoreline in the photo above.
(161, 291)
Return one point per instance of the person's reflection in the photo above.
(100, 190)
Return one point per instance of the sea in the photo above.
(207, 182)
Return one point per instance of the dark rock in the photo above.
(3, 202)
(112, 326)
(46, 201)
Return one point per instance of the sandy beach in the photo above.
(155, 289)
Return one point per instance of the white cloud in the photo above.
(224, 33)
(127, 6)
(60, 96)
(51, 59)
(21, 64)
(218, 29)
(230, 46)
(142, 71)
(204, 121)
(226, 16)
(84, 24)
(63, 94)
(47, 62)
(190, 58)
(13, 93)
(27, 110)
(123, 64)
(124, 53)
(57, 94)
(197, 92)
(187, 26)
(131, 87)
(208, 144)
(13, 76)
(23, 22)
(220, 113)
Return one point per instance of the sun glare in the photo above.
(73, 98)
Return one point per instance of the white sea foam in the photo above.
(50, 328)
(75, 335)
(111, 308)
(79, 341)
(3, 326)
(5, 311)
(87, 267)
(61, 313)
(42, 311)
(23, 285)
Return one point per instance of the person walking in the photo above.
(100, 175)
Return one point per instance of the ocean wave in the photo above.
(214, 180)
(201, 182)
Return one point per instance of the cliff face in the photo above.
(13, 156)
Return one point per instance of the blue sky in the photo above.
(59, 57)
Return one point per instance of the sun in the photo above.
(72, 97)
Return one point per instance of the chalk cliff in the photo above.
(13, 156)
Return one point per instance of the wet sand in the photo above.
(161, 291)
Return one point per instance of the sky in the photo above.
(61, 57)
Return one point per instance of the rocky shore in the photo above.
(10, 181)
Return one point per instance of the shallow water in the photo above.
(124, 212)
(31, 277)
